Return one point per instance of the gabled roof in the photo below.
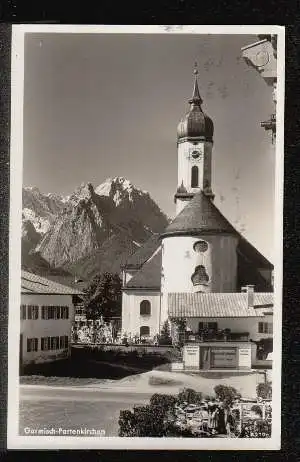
(199, 216)
(143, 253)
(35, 284)
(252, 255)
(149, 275)
(216, 305)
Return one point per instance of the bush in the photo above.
(264, 390)
(226, 394)
(166, 402)
(257, 410)
(165, 338)
(190, 396)
(152, 420)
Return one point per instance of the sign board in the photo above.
(191, 357)
(245, 358)
(223, 357)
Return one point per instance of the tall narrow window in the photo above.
(145, 308)
(195, 177)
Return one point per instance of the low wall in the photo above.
(140, 348)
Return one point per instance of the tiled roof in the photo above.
(143, 253)
(199, 216)
(34, 284)
(149, 275)
(219, 305)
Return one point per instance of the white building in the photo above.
(47, 313)
(200, 270)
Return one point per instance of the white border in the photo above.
(14, 441)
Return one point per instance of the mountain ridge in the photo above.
(95, 229)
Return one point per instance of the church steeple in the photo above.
(194, 141)
(196, 98)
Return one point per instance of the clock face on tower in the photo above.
(196, 153)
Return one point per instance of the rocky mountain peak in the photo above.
(84, 193)
(119, 189)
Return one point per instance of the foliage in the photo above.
(257, 410)
(103, 297)
(165, 336)
(190, 396)
(153, 420)
(256, 429)
(264, 390)
(166, 402)
(159, 417)
(226, 394)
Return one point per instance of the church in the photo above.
(200, 274)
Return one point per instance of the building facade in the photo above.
(200, 275)
(46, 317)
(262, 56)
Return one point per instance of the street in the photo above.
(74, 408)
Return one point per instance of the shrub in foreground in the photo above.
(226, 394)
(264, 390)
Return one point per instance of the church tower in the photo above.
(194, 145)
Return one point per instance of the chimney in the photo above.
(249, 290)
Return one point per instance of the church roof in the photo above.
(252, 255)
(217, 305)
(199, 216)
(149, 275)
(143, 253)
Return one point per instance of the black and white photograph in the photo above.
(146, 237)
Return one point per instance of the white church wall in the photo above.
(179, 261)
(132, 320)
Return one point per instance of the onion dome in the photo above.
(181, 189)
(195, 124)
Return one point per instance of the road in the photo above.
(74, 408)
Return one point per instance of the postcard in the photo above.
(146, 237)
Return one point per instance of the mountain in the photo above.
(93, 230)
(40, 209)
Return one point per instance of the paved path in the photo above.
(74, 408)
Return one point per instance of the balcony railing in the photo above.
(214, 337)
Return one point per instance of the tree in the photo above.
(226, 394)
(165, 337)
(153, 420)
(103, 297)
(257, 410)
(264, 390)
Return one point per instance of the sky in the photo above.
(106, 105)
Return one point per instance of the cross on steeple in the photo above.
(196, 99)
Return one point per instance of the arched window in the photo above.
(144, 331)
(195, 175)
(200, 246)
(200, 276)
(145, 308)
